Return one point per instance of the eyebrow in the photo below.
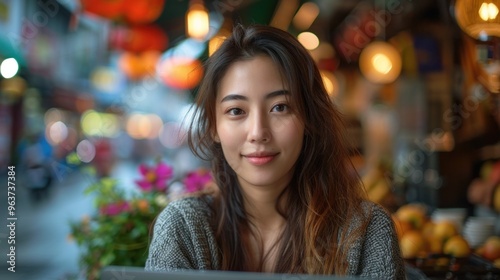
(242, 97)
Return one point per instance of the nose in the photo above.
(259, 130)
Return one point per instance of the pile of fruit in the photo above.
(420, 237)
(490, 250)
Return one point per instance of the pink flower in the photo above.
(197, 180)
(154, 178)
(114, 209)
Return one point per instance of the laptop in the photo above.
(138, 273)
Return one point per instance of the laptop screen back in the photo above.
(135, 273)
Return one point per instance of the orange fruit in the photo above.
(428, 229)
(457, 246)
(444, 229)
(412, 244)
(434, 244)
(414, 214)
(492, 248)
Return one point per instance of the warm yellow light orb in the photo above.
(306, 15)
(309, 40)
(197, 22)
(99, 124)
(215, 43)
(478, 18)
(380, 62)
(330, 82)
(488, 11)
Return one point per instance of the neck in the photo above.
(260, 205)
(266, 224)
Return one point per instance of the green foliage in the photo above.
(118, 234)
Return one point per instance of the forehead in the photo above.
(259, 74)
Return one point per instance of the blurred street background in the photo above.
(96, 94)
(44, 249)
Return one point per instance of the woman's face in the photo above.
(260, 134)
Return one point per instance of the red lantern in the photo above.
(132, 11)
(149, 61)
(181, 73)
(136, 66)
(139, 38)
(130, 64)
(142, 11)
(110, 9)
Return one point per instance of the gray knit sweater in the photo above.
(184, 239)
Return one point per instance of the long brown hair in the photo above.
(325, 190)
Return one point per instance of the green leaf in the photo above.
(136, 232)
(90, 170)
(73, 158)
(107, 259)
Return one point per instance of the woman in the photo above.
(288, 199)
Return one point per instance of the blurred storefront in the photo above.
(110, 82)
(10, 12)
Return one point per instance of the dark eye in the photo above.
(280, 108)
(235, 111)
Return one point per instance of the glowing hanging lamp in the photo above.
(197, 21)
(479, 19)
(181, 72)
(380, 62)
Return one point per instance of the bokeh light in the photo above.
(142, 126)
(478, 19)
(99, 124)
(52, 115)
(309, 40)
(85, 151)
(90, 122)
(56, 132)
(380, 62)
(156, 125)
(306, 15)
(104, 79)
(330, 82)
(180, 72)
(9, 68)
(215, 43)
(197, 21)
(172, 135)
(488, 11)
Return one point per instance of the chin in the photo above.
(264, 181)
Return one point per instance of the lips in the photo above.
(260, 158)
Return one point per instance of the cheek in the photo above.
(228, 136)
(230, 148)
(289, 130)
(220, 131)
(293, 137)
(295, 141)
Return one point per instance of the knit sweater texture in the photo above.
(184, 239)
